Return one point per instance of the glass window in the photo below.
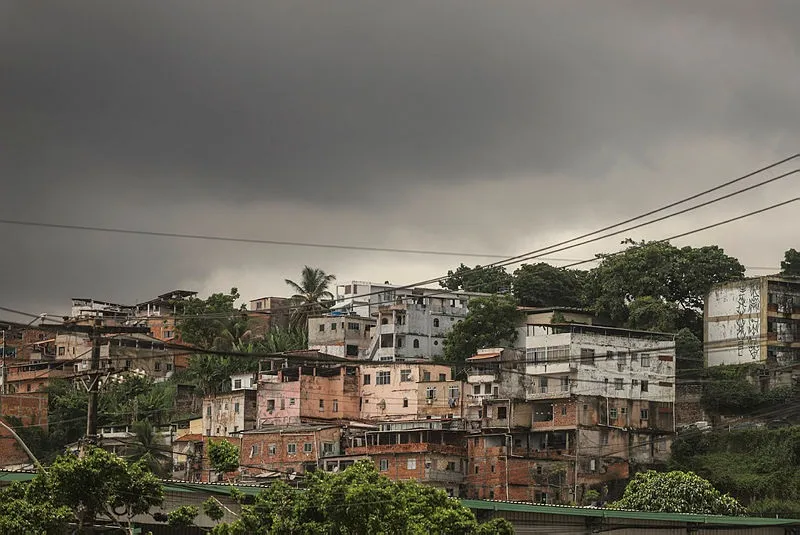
(291, 448)
(383, 378)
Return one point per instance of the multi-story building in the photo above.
(755, 320)
(85, 309)
(298, 394)
(429, 451)
(286, 450)
(160, 314)
(409, 391)
(131, 352)
(231, 413)
(35, 376)
(588, 403)
(266, 313)
(340, 335)
(411, 322)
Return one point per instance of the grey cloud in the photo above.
(255, 118)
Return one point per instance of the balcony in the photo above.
(476, 400)
(559, 392)
(413, 447)
(443, 476)
(479, 377)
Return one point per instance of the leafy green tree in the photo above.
(99, 483)
(212, 373)
(211, 322)
(311, 295)
(491, 322)
(213, 510)
(278, 340)
(19, 514)
(357, 500)
(790, 265)
(223, 456)
(688, 350)
(682, 276)
(675, 492)
(486, 279)
(652, 314)
(148, 450)
(541, 285)
(182, 516)
(66, 412)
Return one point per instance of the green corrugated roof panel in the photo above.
(593, 512)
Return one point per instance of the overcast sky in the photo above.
(491, 127)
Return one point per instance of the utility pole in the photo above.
(94, 385)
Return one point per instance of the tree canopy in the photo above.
(790, 265)
(486, 279)
(212, 322)
(542, 285)
(675, 492)
(676, 281)
(358, 501)
(491, 322)
(312, 295)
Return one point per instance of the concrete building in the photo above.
(275, 451)
(586, 404)
(411, 322)
(427, 451)
(230, 414)
(298, 394)
(137, 353)
(409, 391)
(755, 320)
(85, 309)
(159, 314)
(266, 313)
(340, 335)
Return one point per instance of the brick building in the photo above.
(292, 395)
(282, 450)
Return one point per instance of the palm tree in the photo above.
(311, 295)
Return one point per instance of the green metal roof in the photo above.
(611, 514)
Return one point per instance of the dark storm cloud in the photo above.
(185, 115)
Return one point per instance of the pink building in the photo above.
(289, 396)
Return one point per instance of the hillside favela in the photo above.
(461, 267)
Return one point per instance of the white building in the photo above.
(590, 360)
(753, 321)
(340, 335)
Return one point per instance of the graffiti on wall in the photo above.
(748, 308)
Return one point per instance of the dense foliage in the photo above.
(491, 322)
(486, 279)
(790, 265)
(542, 285)
(675, 492)
(727, 390)
(212, 323)
(359, 501)
(223, 456)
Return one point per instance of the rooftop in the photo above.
(600, 329)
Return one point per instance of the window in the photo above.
(272, 449)
(383, 378)
(235, 428)
(333, 326)
(353, 326)
(255, 449)
(291, 449)
(291, 402)
(426, 376)
(157, 366)
(502, 413)
(645, 386)
(351, 350)
(270, 404)
(405, 376)
(335, 405)
(405, 402)
(645, 361)
(612, 413)
(28, 387)
(644, 413)
(476, 469)
(487, 388)
(623, 410)
(236, 407)
(476, 389)
(208, 410)
(384, 465)
(563, 410)
(327, 448)
(587, 356)
(435, 322)
(308, 447)
(169, 366)
(543, 385)
(565, 384)
(451, 466)
(237, 383)
(604, 438)
(618, 384)
(430, 392)
(366, 379)
(491, 469)
(322, 327)
(452, 392)
(128, 363)
(168, 334)
(208, 431)
(416, 343)
(283, 403)
(259, 305)
(322, 405)
(411, 464)
(491, 494)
